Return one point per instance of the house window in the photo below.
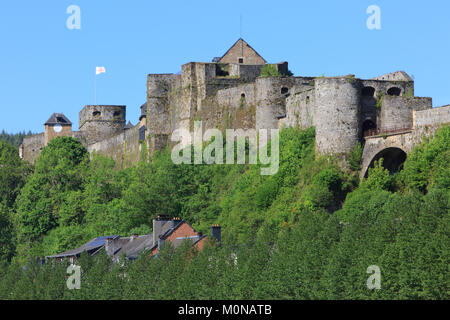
(241, 60)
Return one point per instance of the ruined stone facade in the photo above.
(231, 93)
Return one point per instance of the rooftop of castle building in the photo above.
(394, 76)
(241, 52)
(58, 118)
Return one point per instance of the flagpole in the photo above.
(95, 88)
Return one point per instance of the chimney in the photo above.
(216, 232)
(160, 243)
(175, 221)
(109, 246)
(158, 224)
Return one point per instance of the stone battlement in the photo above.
(240, 90)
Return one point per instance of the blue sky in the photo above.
(46, 68)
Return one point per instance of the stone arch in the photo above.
(393, 159)
(368, 91)
(394, 91)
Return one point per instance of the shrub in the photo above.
(269, 70)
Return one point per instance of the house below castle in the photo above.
(174, 231)
(240, 90)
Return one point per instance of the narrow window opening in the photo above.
(394, 91)
(368, 91)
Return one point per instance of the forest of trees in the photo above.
(308, 232)
(15, 139)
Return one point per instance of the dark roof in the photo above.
(91, 246)
(58, 118)
(143, 111)
(180, 240)
(132, 246)
(247, 45)
(128, 126)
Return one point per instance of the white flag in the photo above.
(99, 70)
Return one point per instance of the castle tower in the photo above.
(99, 122)
(158, 119)
(58, 125)
(337, 113)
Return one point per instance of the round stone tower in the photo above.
(337, 114)
(99, 122)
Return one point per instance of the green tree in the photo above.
(59, 171)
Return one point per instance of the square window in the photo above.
(241, 60)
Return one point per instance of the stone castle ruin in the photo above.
(240, 90)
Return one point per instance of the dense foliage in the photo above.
(15, 139)
(308, 232)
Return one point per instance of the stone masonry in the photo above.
(230, 92)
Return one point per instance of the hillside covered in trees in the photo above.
(308, 232)
(15, 139)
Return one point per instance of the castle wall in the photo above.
(397, 112)
(32, 147)
(235, 108)
(337, 114)
(125, 148)
(427, 122)
(245, 72)
(431, 117)
(271, 100)
(382, 86)
(100, 122)
(300, 107)
(133, 149)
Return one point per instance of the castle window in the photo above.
(96, 113)
(394, 91)
(307, 99)
(142, 133)
(368, 91)
(222, 70)
(241, 60)
(243, 95)
(284, 90)
(368, 125)
(116, 114)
